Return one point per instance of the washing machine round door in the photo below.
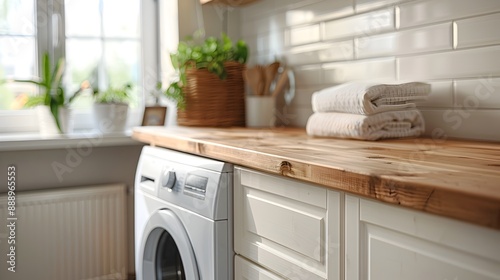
(166, 250)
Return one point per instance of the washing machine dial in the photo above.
(168, 179)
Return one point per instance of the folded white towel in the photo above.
(392, 124)
(369, 98)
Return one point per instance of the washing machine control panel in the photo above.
(198, 184)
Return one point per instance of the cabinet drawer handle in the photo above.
(285, 167)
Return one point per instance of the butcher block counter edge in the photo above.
(456, 179)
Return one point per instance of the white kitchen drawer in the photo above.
(244, 270)
(384, 242)
(287, 226)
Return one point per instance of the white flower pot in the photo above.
(47, 122)
(109, 118)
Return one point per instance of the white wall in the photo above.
(452, 44)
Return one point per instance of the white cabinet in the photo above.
(287, 227)
(385, 242)
(244, 270)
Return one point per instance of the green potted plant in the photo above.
(52, 103)
(111, 108)
(210, 88)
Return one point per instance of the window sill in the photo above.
(77, 139)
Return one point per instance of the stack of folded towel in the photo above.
(368, 111)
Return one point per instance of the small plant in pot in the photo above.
(111, 108)
(210, 89)
(52, 104)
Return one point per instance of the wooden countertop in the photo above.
(457, 179)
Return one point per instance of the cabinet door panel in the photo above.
(245, 270)
(286, 226)
(291, 189)
(298, 229)
(391, 255)
(385, 242)
(440, 230)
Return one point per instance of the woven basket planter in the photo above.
(211, 101)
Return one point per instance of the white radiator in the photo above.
(74, 233)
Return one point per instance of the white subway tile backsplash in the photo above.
(360, 25)
(298, 116)
(303, 96)
(431, 38)
(478, 93)
(264, 25)
(264, 49)
(304, 35)
(259, 9)
(373, 70)
(366, 5)
(456, 64)
(319, 53)
(441, 95)
(300, 98)
(252, 44)
(452, 44)
(478, 31)
(319, 11)
(263, 43)
(468, 124)
(277, 42)
(308, 76)
(288, 5)
(430, 11)
(262, 59)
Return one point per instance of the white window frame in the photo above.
(26, 121)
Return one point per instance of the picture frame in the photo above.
(154, 116)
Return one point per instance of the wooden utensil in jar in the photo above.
(270, 72)
(281, 84)
(254, 77)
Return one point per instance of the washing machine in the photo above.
(183, 217)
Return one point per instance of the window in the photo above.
(17, 49)
(104, 40)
